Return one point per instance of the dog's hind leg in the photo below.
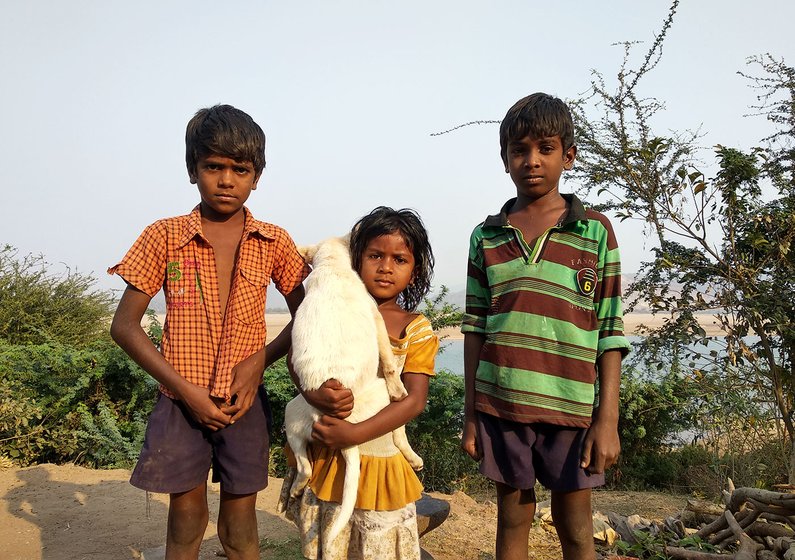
(397, 391)
(303, 468)
(401, 442)
(298, 426)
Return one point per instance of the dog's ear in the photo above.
(307, 252)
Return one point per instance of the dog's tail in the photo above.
(350, 491)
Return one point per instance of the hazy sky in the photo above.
(96, 94)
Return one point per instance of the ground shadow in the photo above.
(107, 517)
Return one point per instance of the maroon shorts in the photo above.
(178, 452)
(518, 454)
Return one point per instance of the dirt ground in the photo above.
(50, 512)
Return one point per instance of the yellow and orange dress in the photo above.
(384, 523)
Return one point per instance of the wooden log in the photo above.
(693, 519)
(748, 547)
(717, 525)
(704, 507)
(773, 530)
(743, 519)
(742, 495)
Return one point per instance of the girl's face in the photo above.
(387, 267)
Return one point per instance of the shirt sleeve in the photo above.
(289, 268)
(609, 307)
(144, 265)
(477, 288)
(423, 347)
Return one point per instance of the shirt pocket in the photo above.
(252, 290)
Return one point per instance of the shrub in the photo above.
(85, 405)
(38, 306)
(436, 436)
(281, 390)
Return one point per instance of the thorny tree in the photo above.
(721, 244)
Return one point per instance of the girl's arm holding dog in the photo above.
(338, 434)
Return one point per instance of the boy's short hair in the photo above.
(539, 115)
(224, 131)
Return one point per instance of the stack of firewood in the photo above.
(754, 524)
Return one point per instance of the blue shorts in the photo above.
(178, 452)
(518, 454)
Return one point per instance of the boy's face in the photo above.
(224, 184)
(535, 165)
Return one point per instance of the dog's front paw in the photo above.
(397, 391)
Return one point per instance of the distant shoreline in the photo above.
(632, 322)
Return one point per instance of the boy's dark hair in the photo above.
(539, 115)
(225, 131)
(384, 221)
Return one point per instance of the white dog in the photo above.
(338, 333)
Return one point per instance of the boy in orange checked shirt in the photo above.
(214, 266)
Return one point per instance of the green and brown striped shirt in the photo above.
(547, 312)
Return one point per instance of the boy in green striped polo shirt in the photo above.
(543, 320)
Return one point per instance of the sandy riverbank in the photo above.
(632, 322)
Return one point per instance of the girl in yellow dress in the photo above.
(391, 252)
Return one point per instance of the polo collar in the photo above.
(576, 213)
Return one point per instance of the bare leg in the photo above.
(574, 523)
(237, 526)
(515, 511)
(187, 520)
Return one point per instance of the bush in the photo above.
(281, 390)
(652, 412)
(38, 306)
(436, 436)
(59, 403)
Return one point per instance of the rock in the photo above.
(431, 512)
(544, 511)
(602, 531)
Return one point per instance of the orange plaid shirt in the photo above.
(199, 341)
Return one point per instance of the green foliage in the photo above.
(38, 306)
(154, 330)
(281, 390)
(440, 312)
(652, 547)
(646, 547)
(436, 436)
(59, 403)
